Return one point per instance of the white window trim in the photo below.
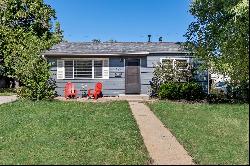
(61, 69)
(93, 78)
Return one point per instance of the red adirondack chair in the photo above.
(70, 90)
(97, 91)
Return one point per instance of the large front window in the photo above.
(84, 69)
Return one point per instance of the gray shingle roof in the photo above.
(72, 48)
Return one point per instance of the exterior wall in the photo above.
(146, 76)
(153, 59)
(111, 87)
(115, 85)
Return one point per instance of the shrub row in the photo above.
(177, 91)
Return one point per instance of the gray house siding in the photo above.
(149, 53)
(200, 76)
(111, 87)
(116, 85)
(145, 76)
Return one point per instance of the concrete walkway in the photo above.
(162, 146)
(7, 99)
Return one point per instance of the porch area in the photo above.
(121, 97)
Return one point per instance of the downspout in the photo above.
(43, 56)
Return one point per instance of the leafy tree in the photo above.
(25, 32)
(112, 41)
(96, 41)
(220, 36)
(30, 15)
(58, 31)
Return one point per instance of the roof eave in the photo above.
(99, 54)
(170, 52)
(112, 54)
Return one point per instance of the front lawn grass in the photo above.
(212, 134)
(69, 133)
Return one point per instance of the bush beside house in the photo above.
(176, 82)
(235, 92)
(177, 91)
(36, 80)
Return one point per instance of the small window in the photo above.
(166, 60)
(181, 64)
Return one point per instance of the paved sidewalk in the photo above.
(162, 146)
(7, 99)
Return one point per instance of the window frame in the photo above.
(93, 72)
(65, 69)
(182, 60)
(93, 66)
(91, 69)
(176, 59)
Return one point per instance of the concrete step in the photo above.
(133, 97)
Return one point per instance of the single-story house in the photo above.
(122, 67)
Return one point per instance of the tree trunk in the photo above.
(16, 83)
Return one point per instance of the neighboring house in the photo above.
(219, 82)
(122, 67)
(219, 78)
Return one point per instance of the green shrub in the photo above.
(177, 91)
(235, 93)
(192, 91)
(165, 72)
(42, 90)
(217, 97)
(169, 91)
(7, 91)
(239, 91)
(36, 81)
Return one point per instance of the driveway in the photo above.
(7, 99)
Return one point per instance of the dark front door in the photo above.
(132, 81)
